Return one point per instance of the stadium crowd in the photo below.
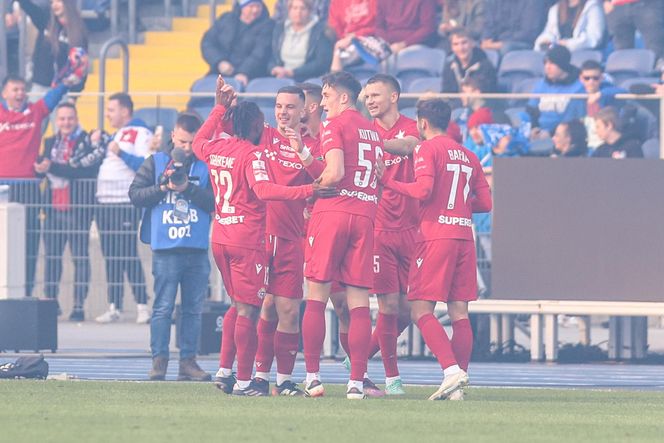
(298, 199)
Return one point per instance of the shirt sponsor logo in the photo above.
(230, 220)
(362, 196)
(395, 161)
(454, 221)
(6, 126)
(290, 164)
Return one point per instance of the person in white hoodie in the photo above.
(117, 219)
(576, 24)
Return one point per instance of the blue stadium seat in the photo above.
(363, 70)
(415, 62)
(651, 148)
(628, 63)
(153, 117)
(514, 114)
(266, 84)
(268, 112)
(628, 83)
(426, 84)
(316, 81)
(519, 65)
(493, 56)
(581, 55)
(208, 85)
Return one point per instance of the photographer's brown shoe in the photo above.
(190, 371)
(159, 367)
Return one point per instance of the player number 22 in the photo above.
(457, 169)
(223, 178)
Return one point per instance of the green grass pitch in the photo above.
(81, 411)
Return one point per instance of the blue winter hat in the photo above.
(243, 3)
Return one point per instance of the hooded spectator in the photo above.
(575, 24)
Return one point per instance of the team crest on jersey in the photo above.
(258, 268)
(401, 134)
(419, 262)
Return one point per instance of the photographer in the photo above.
(175, 191)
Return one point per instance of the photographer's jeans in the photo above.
(190, 271)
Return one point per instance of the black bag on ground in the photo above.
(25, 367)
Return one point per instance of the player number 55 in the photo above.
(363, 178)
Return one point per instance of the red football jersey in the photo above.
(235, 167)
(458, 176)
(285, 218)
(361, 144)
(20, 138)
(396, 211)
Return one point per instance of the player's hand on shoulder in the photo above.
(324, 191)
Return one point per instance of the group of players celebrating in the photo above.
(388, 205)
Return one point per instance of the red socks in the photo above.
(359, 336)
(285, 348)
(436, 339)
(313, 334)
(246, 341)
(462, 342)
(374, 347)
(265, 350)
(387, 337)
(227, 351)
(343, 340)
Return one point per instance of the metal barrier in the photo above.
(213, 11)
(4, 58)
(102, 74)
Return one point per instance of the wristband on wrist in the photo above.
(305, 154)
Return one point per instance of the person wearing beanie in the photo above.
(239, 42)
(560, 77)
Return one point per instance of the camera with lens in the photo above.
(176, 172)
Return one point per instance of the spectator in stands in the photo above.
(59, 31)
(570, 140)
(560, 77)
(601, 92)
(349, 19)
(625, 17)
(616, 144)
(70, 157)
(576, 24)
(414, 23)
(176, 225)
(320, 8)
(469, 14)
(116, 218)
(300, 47)
(238, 43)
(474, 140)
(467, 61)
(512, 24)
(20, 139)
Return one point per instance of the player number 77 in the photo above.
(457, 170)
(223, 178)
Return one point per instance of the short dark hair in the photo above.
(577, 134)
(295, 90)
(386, 79)
(66, 105)
(437, 112)
(245, 117)
(312, 89)
(591, 65)
(343, 80)
(189, 122)
(12, 78)
(124, 100)
(460, 32)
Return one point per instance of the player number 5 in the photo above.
(457, 170)
(376, 264)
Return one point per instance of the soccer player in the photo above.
(241, 182)
(278, 326)
(340, 234)
(451, 186)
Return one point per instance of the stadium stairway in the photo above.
(167, 61)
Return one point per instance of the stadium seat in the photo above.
(410, 112)
(456, 113)
(627, 63)
(493, 56)
(426, 84)
(628, 83)
(416, 62)
(363, 70)
(519, 65)
(316, 81)
(651, 148)
(581, 55)
(266, 84)
(514, 114)
(154, 117)
(523, 86)
(208, 85)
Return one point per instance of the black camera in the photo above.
(175, 171)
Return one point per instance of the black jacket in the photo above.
(246, 47)
(145, 192)
(319, 52)
(480, 68)
(514, 20)
(43, 60)
(622, 148)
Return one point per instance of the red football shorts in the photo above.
(243, 272)
(286, 262)
(443, 270)
(391, 260)
(339, 247)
